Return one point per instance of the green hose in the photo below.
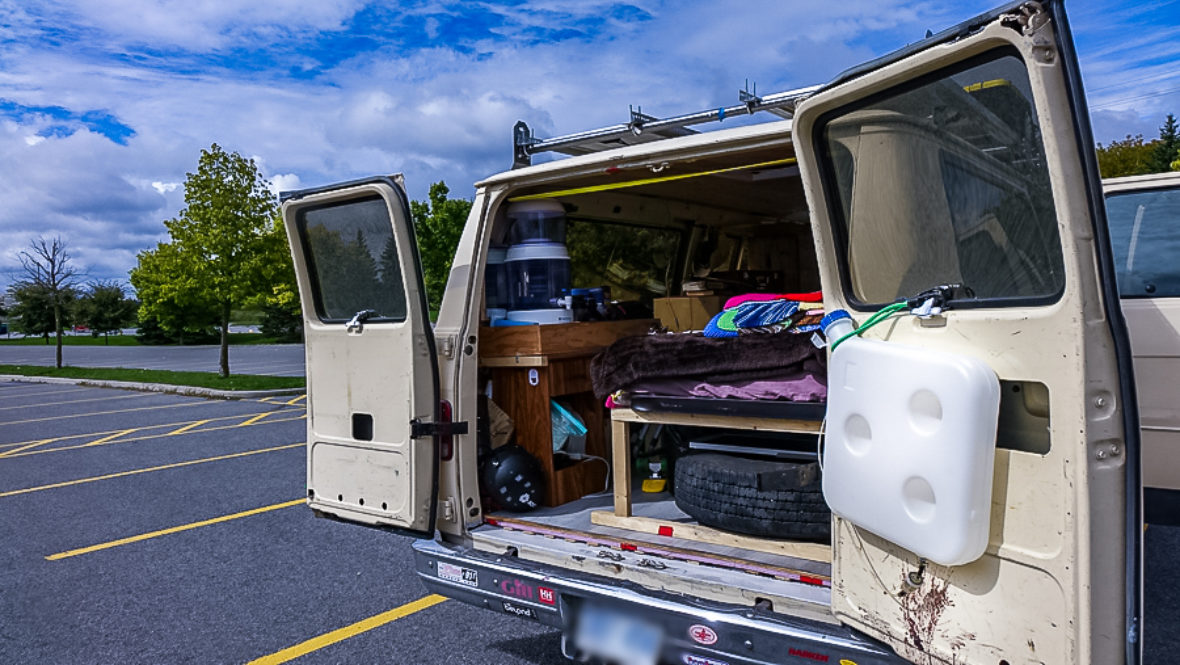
(879, 316)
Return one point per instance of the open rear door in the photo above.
(372, 373)
(966, 161)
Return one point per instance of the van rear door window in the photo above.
(944, 181)
(352, 260)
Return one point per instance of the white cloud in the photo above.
(432, 111)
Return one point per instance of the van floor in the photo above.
(727, 570)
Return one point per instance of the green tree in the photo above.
(105, 307)
(219, 240)
(1130, 156)
(282, 317)
(33, 312)
(50, 281)
(1167, 148)
(173, 301)
(438, 225)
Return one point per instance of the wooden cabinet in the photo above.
(529, 366)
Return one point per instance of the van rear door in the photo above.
(966, 161)
(372, 373)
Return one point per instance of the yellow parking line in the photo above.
(146, 437)
(255, 419)
(341, 634)
(145, 427)
(295, 400)
(110, 437)
(105, 413)
(147, 470)
(73, 401)
(28, 445)
(175, 529)
(182, 430)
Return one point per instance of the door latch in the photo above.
(419, 429)
(357, 322)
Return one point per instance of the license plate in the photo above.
(617, 637)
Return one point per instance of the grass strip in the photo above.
(197, 379)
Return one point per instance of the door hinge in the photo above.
(419, 429)
(448, 510)
(446, 346)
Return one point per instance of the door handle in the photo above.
(357, 322)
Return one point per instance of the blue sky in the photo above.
(105, 104)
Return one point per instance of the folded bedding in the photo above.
(719, 367)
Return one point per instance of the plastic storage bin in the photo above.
(537, 274)
(541, 221)
(911, 444)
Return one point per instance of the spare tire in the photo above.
(756, 497)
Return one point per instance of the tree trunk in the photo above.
(57, 329)
(225, 339)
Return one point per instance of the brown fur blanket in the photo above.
(714, 360)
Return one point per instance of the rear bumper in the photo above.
(740, 635)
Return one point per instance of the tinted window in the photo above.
(1145, 233)
(943, 181)
(352, 260)
(635, 261)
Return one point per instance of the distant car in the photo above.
(81, 329)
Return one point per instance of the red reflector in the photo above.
(811, 580)
(612, 170)
(665, 530)
(491, 520)
(628, 547)
(446, 443)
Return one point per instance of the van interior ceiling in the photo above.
(657, 234)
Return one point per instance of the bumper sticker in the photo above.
(453, 573)
(519, 610)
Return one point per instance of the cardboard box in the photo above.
(683, 313)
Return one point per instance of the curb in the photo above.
(192, 391)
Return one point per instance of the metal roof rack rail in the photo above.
(643, 128)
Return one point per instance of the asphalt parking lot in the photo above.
(267, 359)
(152, 528)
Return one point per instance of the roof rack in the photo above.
(643, 128)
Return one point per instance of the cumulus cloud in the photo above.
(327, 90)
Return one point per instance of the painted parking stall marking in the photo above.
(171, 530)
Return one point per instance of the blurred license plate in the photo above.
(617, 637)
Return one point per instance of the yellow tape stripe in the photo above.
(149, 469)
(647, 181)
(171, 530)
(341, 634)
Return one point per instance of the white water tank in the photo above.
(910, 442)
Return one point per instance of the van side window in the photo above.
(943, 180)
(1145, 233)
(352, 260)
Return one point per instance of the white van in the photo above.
(952, 183)
(1144, 219)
